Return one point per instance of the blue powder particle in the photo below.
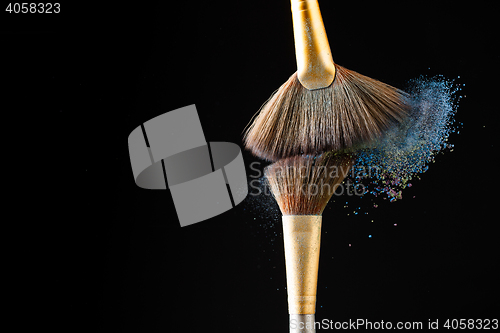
(406, 151)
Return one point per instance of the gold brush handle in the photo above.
(315, 67)
(302, 236)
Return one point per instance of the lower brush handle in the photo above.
(302, 323)
(302, 238)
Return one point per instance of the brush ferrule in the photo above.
(302, 237)
(315, 67)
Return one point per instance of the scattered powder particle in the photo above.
(386, 166)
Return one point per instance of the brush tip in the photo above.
(352, 112)
(303, 185)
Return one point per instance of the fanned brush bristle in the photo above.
(302, 185)
(352, 111)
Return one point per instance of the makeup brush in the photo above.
(322, 106)
(302, 186)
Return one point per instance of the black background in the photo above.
(89, 250)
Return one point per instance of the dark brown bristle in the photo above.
(352, 111)
(303, 185)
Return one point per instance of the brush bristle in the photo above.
(303, 185)
(352, 111)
